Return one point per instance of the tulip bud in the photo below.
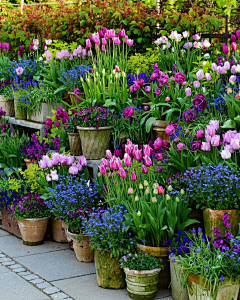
(160, 190)
(155, 185)
(139, 214)
(154, 200)
(177, 199)
(182, 192)
(170, 188)
(130, 191)
(167, 197)
(155, 191)
(140, 186)
(136, 198)
(147, 191)
(145, 183)
(234, 46)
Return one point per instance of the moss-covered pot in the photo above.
(33, 230)
(198, 289)
(109, 273)
(74, 144)
(160, 252)
(213, 218)
(82, 249)
(94, 141)
(142, 285)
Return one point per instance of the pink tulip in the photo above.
(112, 163)
(169, 129)
(181, 146)
(102, 169)
(225, 48)
(73, 170)
(80, 167)
(127, 160)
(215, 140)
(159, 156)
(205, 146)
(123, 174)
(233, 69)
(42, 164)
(144, 169)
(158, 143)
(167, 99)
(138, 155)
(233, 38)
(147, 150)
(55, 159)
(200, 134)
(225, 154)
(234, 144)
(133, 176)
(47, 161)
(214, 67)
(54, 175)
(160, 190)
(147, 160)
(214, 124)
(196, 84)
(200, 75)
(234, 46)
(88, 44)
(82, 160)
(128, 149)
(227, 65)
(63, 159)
(118, 163)
(130, 43)
(208, 76)
(238, 34)
(210, 130)
(48, 178)
(104, 162)
(227, 137)
(208, 138)
(70, 159)
(108, 154)
(130, 191)
(188, 92)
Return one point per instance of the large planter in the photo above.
(18, 115)
(7, 106)
(75, 144)
(142, 285)
(109, 273)
(10, 224)
(46, 111)
(33, 230)
(198, 289)
(82, 249)
(178, 291)
(94, 141)
(58, 232)
(159, 127)
(160, 252)
(213, 218)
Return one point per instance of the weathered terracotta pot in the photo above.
(7, 106)
(82, 249)
(10, 224)
(178, 291)
(94, 141)
(198, 289)
(33, 230)
(159, 127)
(28, 162)
(109, 273)
(58, 232)
(75, 144)
(160, 252)
(70, 236)
(142, 285)
(213, 218)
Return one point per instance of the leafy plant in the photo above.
(140, 261)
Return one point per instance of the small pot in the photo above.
(160, 252)
(109, 273)
(94, 141)
(70, 237)
(7, 106)
(142, 285)
(159, 127)
(33, 230)
(10, 224)
(82, 249)
(213, 218)
(75, 144)
(58, 232)
(29, 162)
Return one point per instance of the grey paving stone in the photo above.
(24, 273)
(8, 263)
(35, 281)
(59, 296)
(14, 247)
(51, 290)
(19, 270)
(13, 287)
(30, 277)
(15, 266)
(3, 259)
(56, 265)
(43, 285)
(3, 270)
(3, 232)
(2, 255)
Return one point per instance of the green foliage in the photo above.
(31, 174)
(142, 63)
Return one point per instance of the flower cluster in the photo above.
(71, 77)
(140, 262)
(179, 244)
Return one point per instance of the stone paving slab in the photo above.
(3, 232)
(3, 270)
(86, 288)
(13, 287)
(56, 265)
(14, 247)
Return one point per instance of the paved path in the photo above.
(50, 271)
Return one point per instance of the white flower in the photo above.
(45, 48)
(172, 49)
(36, 42)
(158, 41)
(185, 34)
(168, 45)
(207, 55)
(206, 44)
(237, 70)
(35, 47)
(179, 38)
(164, 47)
(174, 35)
(48, 42)
(40, 58)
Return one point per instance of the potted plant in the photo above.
(94, 126)
(73, 136)
(154, 216)
(142, 273)
(6, 99)
(110, 239)
(211, 268)
(208, 187)
(32, 216)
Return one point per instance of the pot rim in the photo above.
(143, 272)
(93, 128)
(145, 246)
(30, 219)
(219, 210)
(72, 133)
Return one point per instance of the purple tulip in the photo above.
(225, 49)
(200, 134)
(158, 143)
(200, 75)
(146, 108)
(233, 38)
(210, 130)
(147, 89)
(196, 145)
(199, 102)
(157, 92)
(238, 34)
(181, 146)
(73, 170)
(179, 77)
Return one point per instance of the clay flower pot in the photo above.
(109, 273)
(10, 224)
(82, 249)
(213, 218)
(28, 162)
(160, 252)
(70, 237)
(142, 285)
(7, 106)
(74, 143)
(58, 232)
(198, 289)
(94, 141)
(159, 128)
(33, 230)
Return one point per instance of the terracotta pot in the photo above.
(94, 141)
(58, 232)
(29, 162)
(196, 214)
(33, 230)
(75, 144)
(142, 285)
(159, 128)
(213, 218)
(7, 106)
(160, 252)
(10, 224)
(178, 291)
(109, 273)
(70, 237)
(82, 249)
(199, 289)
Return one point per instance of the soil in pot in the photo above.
(58, 232)
(109, 273)
(160, 252)
(82, 249)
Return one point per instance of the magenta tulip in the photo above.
(133, 176)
